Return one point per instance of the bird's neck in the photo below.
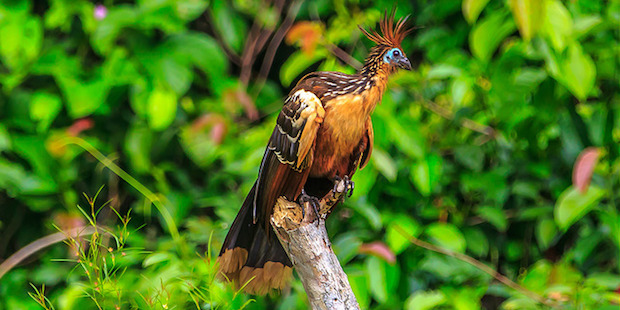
(376, 71)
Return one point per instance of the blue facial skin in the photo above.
(392, 55)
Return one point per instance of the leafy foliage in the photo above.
(474, 149)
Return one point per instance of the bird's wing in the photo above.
(367, 150)
(289, 153)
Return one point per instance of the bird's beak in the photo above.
(404, 63)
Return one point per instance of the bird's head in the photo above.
(388, 55)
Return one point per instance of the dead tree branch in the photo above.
(303, 235)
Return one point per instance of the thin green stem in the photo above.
(147, 193)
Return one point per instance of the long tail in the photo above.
(253, 257)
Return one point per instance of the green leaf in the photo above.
(579, 72)
(5, 139)
(447, 236)
(395, 240)
(557, 25)
(82, 97)
(461, 92)
(528, 14)
(477, 242)
(408, 139)
(156, 258)
(22, 36)
(472, 8)
(44, 107)
(489, 33)
(545, 232)
(138, 147)
(426, 173)
(573, 205)
(103, 38)
(162, 108)
(231, 28)
(537, 278)
(296, 64)
(382, 278)
(470, 156)
(359, 286)
(495, 216)
(425, 300)
(384, 163)
(375, 268)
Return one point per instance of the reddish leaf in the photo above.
(307, 34)
(378, 249)
(216, 125)
(584, 167)
(80, 125)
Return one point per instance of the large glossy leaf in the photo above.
(579, 72)
(296, 64)
(162, 108)
(573, 205)
(395, 239)
(558, 24)
(487, 34)
(472, 8)
(426, 173)
(447, 236)
(384, 163)
(528, 14)
(425, 300)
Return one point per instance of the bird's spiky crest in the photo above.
(391, 35)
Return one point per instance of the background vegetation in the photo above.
(476, 149)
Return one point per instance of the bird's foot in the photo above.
(344, 185)
(315, 203)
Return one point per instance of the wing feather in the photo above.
(283, 170)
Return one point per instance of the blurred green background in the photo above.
(477, 150)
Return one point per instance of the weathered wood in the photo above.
(304, 237)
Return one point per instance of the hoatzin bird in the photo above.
(323, 133)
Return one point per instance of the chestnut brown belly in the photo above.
(333, 159)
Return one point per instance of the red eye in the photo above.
(396, 53)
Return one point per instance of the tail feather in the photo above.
(251, 256)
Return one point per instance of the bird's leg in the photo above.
(314, 202)
(349, 185)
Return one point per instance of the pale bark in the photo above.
(305, 240)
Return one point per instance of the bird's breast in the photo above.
(340, 134)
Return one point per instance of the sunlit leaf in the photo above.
(395, 238)
(579, 72)
(495, 216)
(425, 174)
(447, 236)
(573, 205)
(528, 14)
(425, 300)
(487, 34)
(162, 108)
(44, 107)
(297, 63)
(558, 24)
(375, 269)
(545, 232)
(472, 8)
(384, 163)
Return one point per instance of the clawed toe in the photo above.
(349, 185)
(314, 202)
